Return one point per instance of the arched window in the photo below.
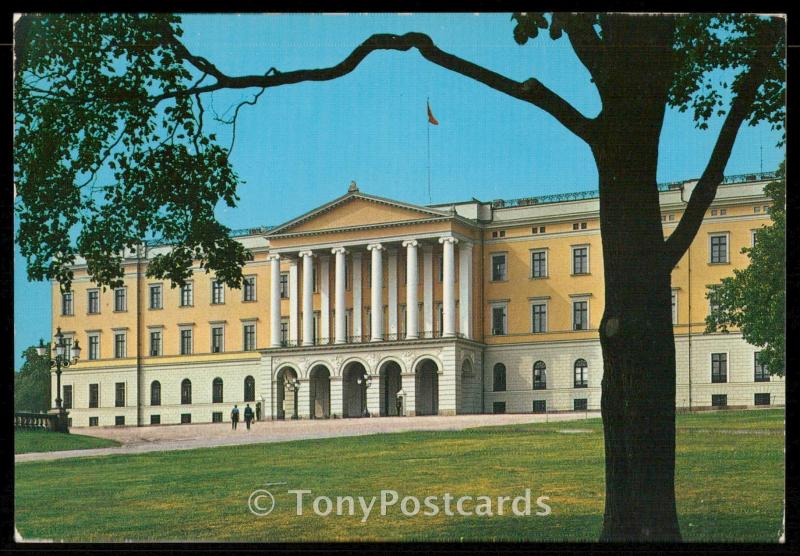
(539, 376)
(249, 389)
(186, 391)
(216, 391)
(581, 374)
(499, 378)
(155, 393)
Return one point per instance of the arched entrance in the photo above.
(320, 392)
(390, 384)
(427, 387)
(286, 394)
(354, 390)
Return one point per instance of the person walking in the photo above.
(258, 411)
(234, 416)
(248, 415)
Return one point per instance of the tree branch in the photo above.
(706, 188)
(531, 90)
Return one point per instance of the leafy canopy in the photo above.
(32, 382)
(754, 298)
(104, 160)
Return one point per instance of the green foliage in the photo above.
(754, 298)
(106, 155)
(32, 382)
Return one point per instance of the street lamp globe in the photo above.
(41, 349)
(76, 350)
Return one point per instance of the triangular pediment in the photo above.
(357, 209)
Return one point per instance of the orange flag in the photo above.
(431, 119)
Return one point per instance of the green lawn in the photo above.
(45, 441)
(729, 486)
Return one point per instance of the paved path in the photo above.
(137, 440)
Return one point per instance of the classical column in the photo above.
(427, 290)
(377, 291)
(448, 287)
(340, 334)
(412, 282)
(357, 309)
(308, 293)
(293, 305)
(324, 300)
(392, 279)
(275, 301)
(465, 288)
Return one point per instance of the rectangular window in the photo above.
(249, 292)
(719, 400)
(580, 315)
(719, 248)
(94, 395)
(284, 332)
(119, 420)
(186, 341)
(94, 301)
(498, 320)
(758, 399)
(499, 407)
(67, 396)
(580, 260)
(119, 345)
(217, 292)
(187, 295)
(498, 267)
(93, 421)
(66, 304)
(216, 417)
(539, 264)
(249, 335)
(284, 285)
(119, 394)
(674, 307)
(580, 404)
(539, 318)
(540, 406)
(155, 296)
(155, 343)
(94, 347)
(719, 367)
(155, 419)
(217, 344)
(761, 372)
(186, 418)
(120, 299)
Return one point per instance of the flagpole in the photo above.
(428, 126)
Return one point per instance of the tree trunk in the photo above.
(638, 388)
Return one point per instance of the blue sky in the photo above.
(301, 145)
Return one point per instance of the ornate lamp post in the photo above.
(64, 357)
(366, 380)
(293, 384)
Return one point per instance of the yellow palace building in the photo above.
(371, 306)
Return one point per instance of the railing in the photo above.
(594, 194)
(35, 421)
(367, 338)
(241, 232)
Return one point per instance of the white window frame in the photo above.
(89, 346)
(504, 254)
(160, 296)
(89, 302)
(214, 325)
(160, 330)
(181, 329)
(540, 301)
(190, 284)
(492, 307)
(222, 290)
(546, 262)
(254, 277)
(727, 367)
(71, 295)
(727, 236)
(588, 313)
(124, 334)
(124, 299)
(588, 259)
(245, 324)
